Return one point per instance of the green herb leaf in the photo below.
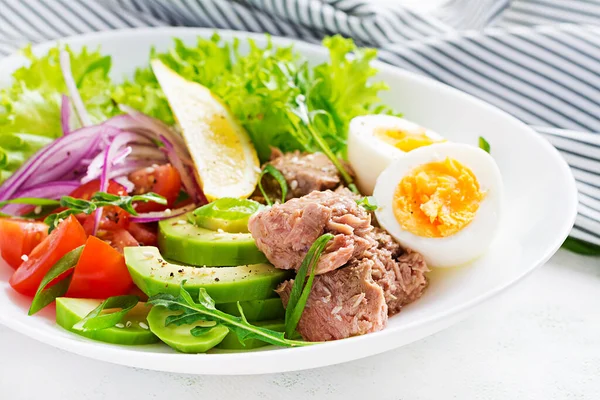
(275, 173)
(34, 201)
(99, 199)
(44, 296)
(201, 330)
(97, 320)
(483, 144)
(368, 203)
(299, 293)
(205, 310)
(581, 247)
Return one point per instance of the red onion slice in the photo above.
(65, 115)
(160, 215)
(65, 66)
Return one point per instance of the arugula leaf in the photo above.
(275, 173)
(581, 247)
(484, 145)
(98, 200)
(299, 293)
(34, 201)
(368, 203)
(205, 310)
(45, 296)
(97, 320)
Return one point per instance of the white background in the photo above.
(540, 340)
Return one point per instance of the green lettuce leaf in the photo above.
(30, 108)
(262, 86)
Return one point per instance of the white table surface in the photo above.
(540, 340)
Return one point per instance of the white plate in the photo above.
(540, 209)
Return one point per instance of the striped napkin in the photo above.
(537, 59)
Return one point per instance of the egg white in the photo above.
(471, 241)
(369, 155)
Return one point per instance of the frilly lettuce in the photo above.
(274, 93)
(264, 87)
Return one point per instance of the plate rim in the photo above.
(107, 352)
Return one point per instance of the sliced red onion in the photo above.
(65, 115)
(189, 184)
(123, 181)
(64, 152)
(110, 153)
(65, 66)
(120, 157)
(160, 215)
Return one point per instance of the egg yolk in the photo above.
(437, 199)
(403, 140)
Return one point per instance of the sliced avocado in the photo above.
(181, 241)
(179, 337)
(70, 311)
(231, 341)
(227, 214)
(153, 275)
(256, 310)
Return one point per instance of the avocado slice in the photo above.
(70, 311)
(179, 337)
(153, 275)
(181, 241)
(231, 341)
(256, 310)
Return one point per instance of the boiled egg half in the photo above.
(442, 200)
(375, 140)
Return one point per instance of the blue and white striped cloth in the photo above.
(537, 59)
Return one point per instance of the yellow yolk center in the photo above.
(404, 140)
(437, 199)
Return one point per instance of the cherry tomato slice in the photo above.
(145, 234)
(67, 236)
(19, 238)
(118, 239)
(100, 273)
(113, 218)
(163, 180)
(87, 190)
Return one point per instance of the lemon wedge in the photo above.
(225, 158)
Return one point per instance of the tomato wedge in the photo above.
(18, 238)
(87, 190)
(145, 234)
(113, 218)
(118, 239)
(67, 236)
(163, 180)
(100, 273)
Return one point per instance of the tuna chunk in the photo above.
(401, 273)
(304, 173)
(342, 303)
(286, 231)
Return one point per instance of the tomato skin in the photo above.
(145, 234)
(18, 238)
(163, 180)
(87, 190)
(100, 272)
(67, 236)
(118, 239)
(113, 218)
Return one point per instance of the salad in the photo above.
(229, 199)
